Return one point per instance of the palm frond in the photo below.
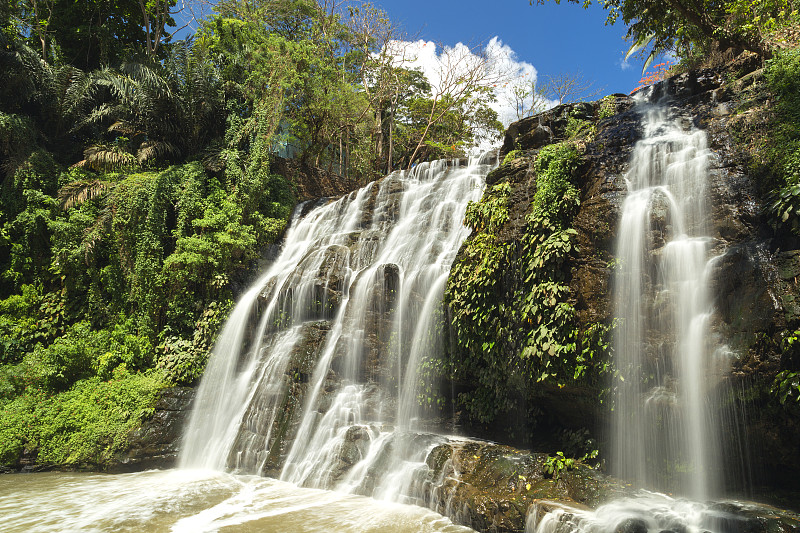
(94, 234)
(641, 42)
(75, 193)
(101, 157)
(124, 127)
(147, 78)
(156, 150)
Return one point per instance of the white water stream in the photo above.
(367, 272)
(665, 434)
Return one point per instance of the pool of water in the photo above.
(193, 501)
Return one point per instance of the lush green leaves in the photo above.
(512, 318)
(782, 153)
(84, 425)
(693, 29)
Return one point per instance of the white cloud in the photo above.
(521, 72)
(504, 67)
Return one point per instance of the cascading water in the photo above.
(664, 434)
(366, 274)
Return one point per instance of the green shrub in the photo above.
(782, 152)
(17, 426)
(511, 317)
(512, 155)
(93, 420)
(182, 361)
(19, 325)
(607, 107)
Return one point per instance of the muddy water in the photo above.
(191, 501)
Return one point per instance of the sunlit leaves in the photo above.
(510, 299)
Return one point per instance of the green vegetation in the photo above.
(85, 425)
(137, 190)
(695, 30)
(513, 321)
(555, 464)
(512, 155)
(607, 107)
(786, 384)
(781, 153)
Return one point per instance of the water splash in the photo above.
(649, 512)
(664, 432)
(366, 274)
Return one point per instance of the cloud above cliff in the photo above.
(504, 70)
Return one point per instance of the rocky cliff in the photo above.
(757, 302)
(754, 282)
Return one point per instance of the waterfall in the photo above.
(664, 432)
(363, 278)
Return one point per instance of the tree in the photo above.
(527, 97)
(157, 16)
(464, 77)
(382, 54)
(34, 17)
(56, 97)
(569, 87)
(464, 125)
(89, 35)
(694, 27)
(160, 111)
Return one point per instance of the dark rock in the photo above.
(545, 128)
(490, 487)
(631, 525)
(355, 445)
(508, 171)
(156, 443)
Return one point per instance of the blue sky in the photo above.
(553, 38)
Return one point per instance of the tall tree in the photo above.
(101, 32)
(157, 17)
(34, 17)
(463, 78)
(569, 87)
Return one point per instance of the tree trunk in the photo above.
(391, 143)
(379, 139)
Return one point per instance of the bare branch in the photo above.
(570, 87)
(462, 73)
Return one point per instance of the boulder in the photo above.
(156, 443)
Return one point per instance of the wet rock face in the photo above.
(156, 443)
(267, 439)
(490, 487)
(534, 132)
(755, 275)
(601, 183)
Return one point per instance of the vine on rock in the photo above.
(513, 322)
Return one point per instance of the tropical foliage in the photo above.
(137, 190)
(514, 324)
(692, 30)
